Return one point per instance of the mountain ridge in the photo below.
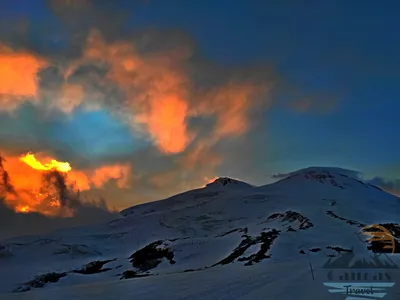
(227, 224)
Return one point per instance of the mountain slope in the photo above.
(312, 215)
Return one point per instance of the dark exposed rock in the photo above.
(128, 274)
(228, 232)
(290, 229)
(245, 230)
(22, 289)
(350, 222)
(374, 186)
(132, 274)
(40, 281)
(94, 267)
(302, 252)
(151, 256)
(315, 249)
(265, 239)
(325, 177)
(193, 270)
(225, 181)
(339, 249)
(292, 216)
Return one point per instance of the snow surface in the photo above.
(204, 227)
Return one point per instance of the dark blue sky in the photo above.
(341, 51)
(345, 49)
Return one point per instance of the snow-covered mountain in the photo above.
(228, 240)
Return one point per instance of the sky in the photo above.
(145, 99)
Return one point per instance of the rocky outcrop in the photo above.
(314, 249)
(265, 239)
(132, 274)
(151, 256)
(339, 249)
(40, 281)
(350, 222)
(94, 267)
(323, 177)
(292, 216)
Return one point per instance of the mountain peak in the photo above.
(327, 171)
(320, 173)
(225, 182)
(337, 177)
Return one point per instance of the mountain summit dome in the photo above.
(226, 182)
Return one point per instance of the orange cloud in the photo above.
(166, 121)
(160, 98)
(18, 77)
(30, 192)
(80, 179)
(118, 172)
(232, 105)
(158, 92)
(28, 183)
(21, 174)
(155, 87)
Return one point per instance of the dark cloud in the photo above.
(5, 184)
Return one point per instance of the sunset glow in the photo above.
(31, 161)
